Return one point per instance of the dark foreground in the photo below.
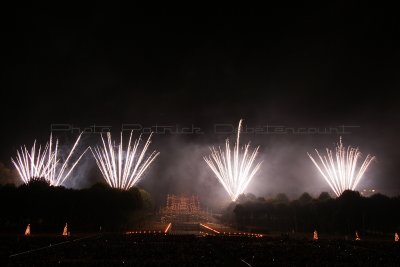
(161, 250)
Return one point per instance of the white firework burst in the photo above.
(235, 171)
(123, 169)
(45, 163)
(340, 170)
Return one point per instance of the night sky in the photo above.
(298, 67)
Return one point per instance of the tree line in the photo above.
(48, 208)
(346, 214)
(101, 208)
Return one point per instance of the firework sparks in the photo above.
(233, 172)
(122, 169)
(44, 163)
(343, 173)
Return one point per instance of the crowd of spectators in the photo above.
(190, 250)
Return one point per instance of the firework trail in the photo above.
(122, 169)
(342, 174)
(235, 171)
(44, 163)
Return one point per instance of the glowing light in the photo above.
(209, 228)
(343, 173)
(315, 235)
(65, 231)
(168, 228)
(44, 163)
(396, 237)
(233, 172)
(28, 230)
(357, 236)
(122, 169)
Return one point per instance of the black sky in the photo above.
(300, 67)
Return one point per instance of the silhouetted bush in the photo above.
(48, 208)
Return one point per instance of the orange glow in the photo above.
(168, 227)
(315, 236)
(209, 228)
(28, 230)
(65, 231)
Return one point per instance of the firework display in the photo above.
(44, 162)
(234, 169)
(340, 170)
(123, 169)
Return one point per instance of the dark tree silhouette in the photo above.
(377, 214)
(47, 208)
